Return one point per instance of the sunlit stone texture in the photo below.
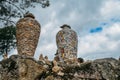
(27, 34)
(67, 42)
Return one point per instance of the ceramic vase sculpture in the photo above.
(27, 35)
(67, 42)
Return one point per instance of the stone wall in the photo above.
(19, 68)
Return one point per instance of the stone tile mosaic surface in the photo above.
(28, 31)
(67, 42)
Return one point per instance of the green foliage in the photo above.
(7, 39)
(17, 8)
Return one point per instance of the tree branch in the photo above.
(16, 7)
(7, 20)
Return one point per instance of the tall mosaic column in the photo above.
(27, 34)
(67, 43)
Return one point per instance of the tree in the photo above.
(7, 39)
(17, 8)
(10, 9)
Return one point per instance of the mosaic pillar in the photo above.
(27, 35)
(67, 42)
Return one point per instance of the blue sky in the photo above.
(97, 23)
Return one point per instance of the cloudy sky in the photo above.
(97, 23)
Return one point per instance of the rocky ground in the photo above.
(19, 68)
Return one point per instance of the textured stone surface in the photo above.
(67, 42)
(27, 35)
(29, 69)
(20, 68)
(9, 70)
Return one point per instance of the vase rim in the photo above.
(65, 25)
(29, 15)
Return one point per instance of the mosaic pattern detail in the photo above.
(27, 34)
(67, 42)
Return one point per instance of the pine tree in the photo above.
(7, 39)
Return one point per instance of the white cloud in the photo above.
(47, 42)
(100, 43)
(47, 50)
(114, 30)
(110, 8)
